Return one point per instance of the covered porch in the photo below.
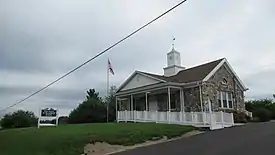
(165, 104)
(163, 99)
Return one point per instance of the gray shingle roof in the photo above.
(197, 73)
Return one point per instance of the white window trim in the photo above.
(227, 99)
(221, 99)
(230, 100)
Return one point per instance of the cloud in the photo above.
(42, 40)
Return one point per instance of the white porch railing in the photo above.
(214, 120)
(248, 113)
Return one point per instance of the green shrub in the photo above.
(19, 119)
(262, 115)
(90, 111)
(255, 105)
(240, 117)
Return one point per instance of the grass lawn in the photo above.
(71, 139)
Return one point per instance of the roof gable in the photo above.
(139, 79)
(225, 63)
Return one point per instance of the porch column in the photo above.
(146, 101)
(182, 109)
(210, 113)
(132, 108)
(131, 102)
(116, 111)
(119, 103)
(201, 98)
(169, 104)
(183, 105)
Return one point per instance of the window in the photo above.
(225, 99)
(230, 100)
(219, 98)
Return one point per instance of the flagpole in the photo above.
(107, 91)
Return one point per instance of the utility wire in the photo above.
(86, 62)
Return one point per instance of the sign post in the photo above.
(45, 114)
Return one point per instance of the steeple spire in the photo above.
(173, 61)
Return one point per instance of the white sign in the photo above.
(48, 117)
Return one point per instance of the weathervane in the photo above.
(173, 43)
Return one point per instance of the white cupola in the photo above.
(173, 63)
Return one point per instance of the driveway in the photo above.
(252, 139)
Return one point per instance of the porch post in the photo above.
(119, 103)
(201, 98)
(146, 101)
(132, 107)
(132, 104)
(210, 113)
(169, 104)
(181, 105)
(116, 111)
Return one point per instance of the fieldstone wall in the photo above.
(215, 84)
(192, 99)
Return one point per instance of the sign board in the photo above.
(45, 114)
(48, 112)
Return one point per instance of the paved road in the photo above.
(253, 139)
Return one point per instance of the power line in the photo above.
(86, 62)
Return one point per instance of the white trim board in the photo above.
(237, 77)
(133, 75)
(224, 61)
(151, 76)
(214, 70)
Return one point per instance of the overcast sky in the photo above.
(41, 40)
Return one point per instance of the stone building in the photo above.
(212, 85)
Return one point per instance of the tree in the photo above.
(19, 119)
(92, 94)
(89, 111)
(262, 109)
(263, 114)
(92, 110)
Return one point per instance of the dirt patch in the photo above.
(102, 148)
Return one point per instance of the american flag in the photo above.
(110, 68)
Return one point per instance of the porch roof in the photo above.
(148, 88)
